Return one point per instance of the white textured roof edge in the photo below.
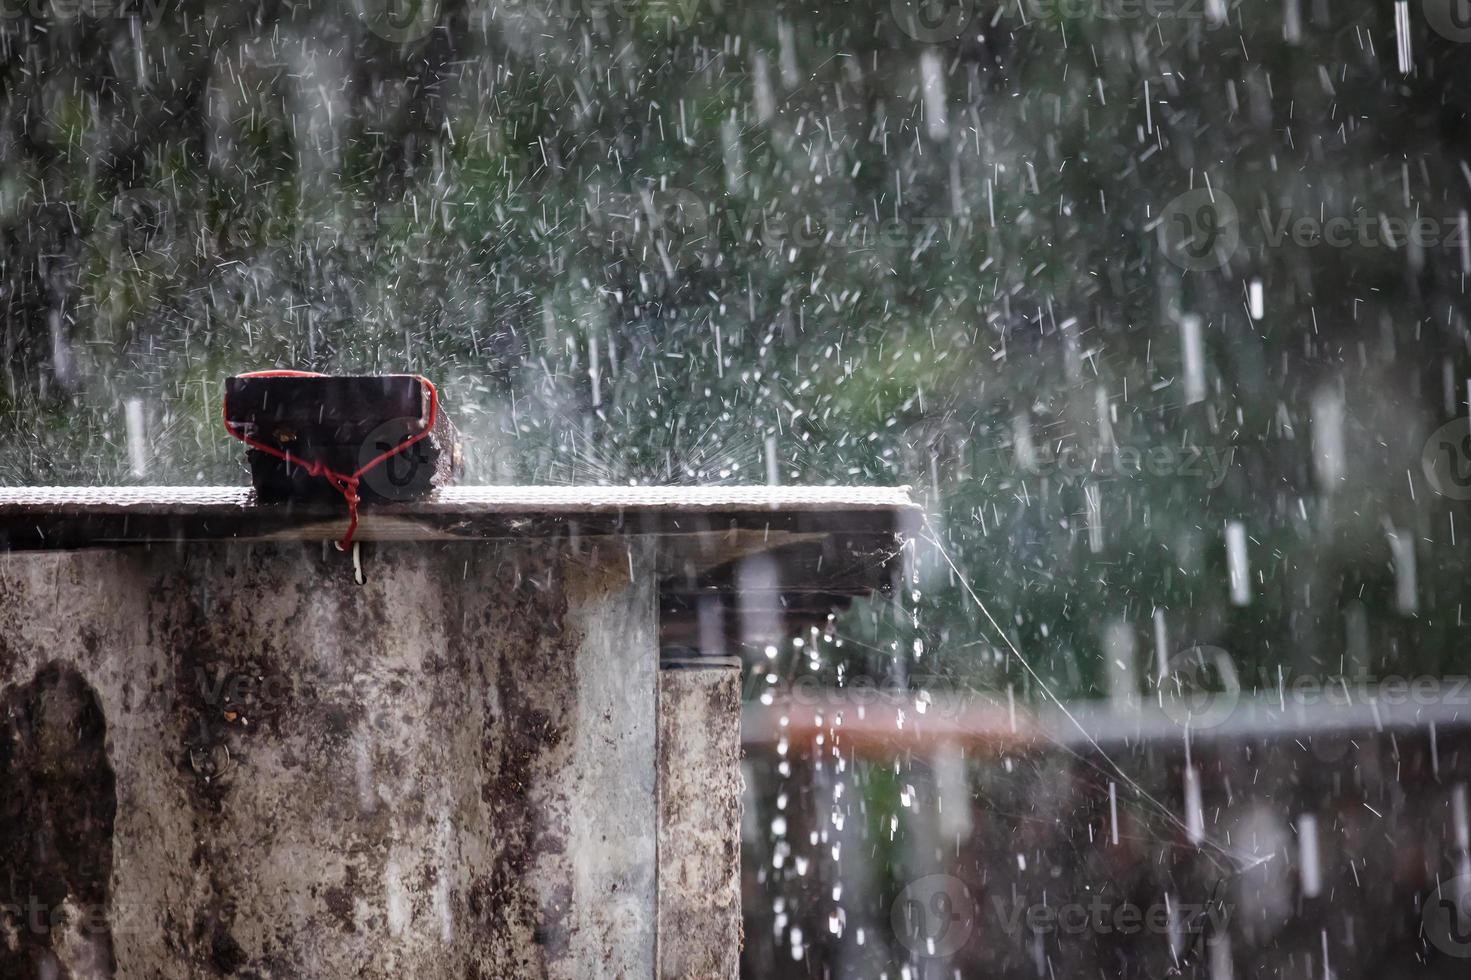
(531, 499)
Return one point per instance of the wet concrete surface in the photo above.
(235, 761)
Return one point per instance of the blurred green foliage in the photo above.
(644, 242)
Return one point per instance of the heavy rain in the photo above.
(1157, 309)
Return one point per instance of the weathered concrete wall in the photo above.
(231, 760)
(699, 821)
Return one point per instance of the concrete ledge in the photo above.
(200, 503)
(70, 517)
(735, 564)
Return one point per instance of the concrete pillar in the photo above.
(224, 755)
(233, 760)
(699, 819)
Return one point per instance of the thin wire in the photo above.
(1129, 781)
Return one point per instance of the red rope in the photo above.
(345, 483)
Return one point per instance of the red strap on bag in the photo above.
(345, 483)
